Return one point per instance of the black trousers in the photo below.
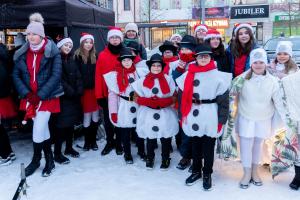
(109, 128)
(165, 147)
(203, 147)
(186, 145)
(124, 134)
(5, 148)
(61, 135)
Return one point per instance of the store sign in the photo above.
(217, 12)
(248, 2)
(213, 23)
(280, 18)
(244, 12)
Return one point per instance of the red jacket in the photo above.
(106, 62)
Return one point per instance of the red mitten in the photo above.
(33, 99)
(220, 127)
(114, 117)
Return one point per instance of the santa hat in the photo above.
(114, 31)
(242, 25)
(175, 35)
(64, 41)
(85, 36)
(36, 25)
(258, 54)
(212, 33)
(285, 47)
(199, 27)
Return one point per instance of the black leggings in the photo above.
(5, 148)
(165, 147)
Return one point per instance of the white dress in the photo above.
(203, 118)
(155, 123)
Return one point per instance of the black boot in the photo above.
(165, 163)
(69, 151)
(61, 159)
(150, 163)
(295, 184)
(193, 178)
(207, 181)
(108, 148)
(93, 134)
(128, 158)
(49, 166)
(59, 138)
(183, 163)
(87, 139)
(35, 162)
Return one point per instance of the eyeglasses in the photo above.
(204, 56)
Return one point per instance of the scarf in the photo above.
(155, 103)
(186, 57)
(128, 40)
(137, 59)
(115, 49)
(37, 47)
(167, 61)
(188, 90)
(122, 76)
(150, 78)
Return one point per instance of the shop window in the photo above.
(127, 5)
(176, 4)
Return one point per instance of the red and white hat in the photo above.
(114, 31)
(212, 33)
(242, 25)
(85, 36)
(199, 27)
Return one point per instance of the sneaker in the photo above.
(193, 178)
(60, 159)
(107, 149)
(71, 152)
(12, 156)
(5, 162)
(183, 164)
(207, 182)
(149, 163)
(256, 183)
(128, 159)
(142, 156)
(165, 164)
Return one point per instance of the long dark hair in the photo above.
(237, 49)
(220, 50)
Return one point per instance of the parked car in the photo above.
(271, 44)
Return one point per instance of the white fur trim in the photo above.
(286, 47)
(200, 27)
(86, 37)
(243, 26)
(64, 41)
(209, 36)
(114, 32)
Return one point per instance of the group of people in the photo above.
(184, 93)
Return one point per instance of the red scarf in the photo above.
(149, 82)
(155, 102)
(186, 57)
(137, 59)
(188, 90)
(167, 61)
(122, 76)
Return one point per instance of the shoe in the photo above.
(149, 163)
(244, 183)
(191, 169)
(142, 156)
(5, 161)
(12, 156)
(207, 181)
(255, 179)
(165, 164)
(49, 166)
(183, 164)
(107, 149)
(35, 162)
(193, 178)
(61, 159)
(71, 152)
(295, 184)
(119, 151)
(94, 146)
(128, 159)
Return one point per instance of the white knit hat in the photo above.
(64, 41)
(85, 36)
(131, 27)
(258, 55)
(36, 25)
(242, 25)
(114, 31)
(285, 46)
(175, 35)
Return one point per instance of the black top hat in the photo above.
(125, 53)
(188, 42)
(155, 58)
(134, 46)
(202, 49)
(167, 45)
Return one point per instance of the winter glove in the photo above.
(33, 99)
(114, 117)
(220, 127)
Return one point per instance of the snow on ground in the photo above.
(94, 177)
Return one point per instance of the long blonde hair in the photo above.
(290, 65)
(80, 53)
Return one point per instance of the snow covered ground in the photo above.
(95, 177)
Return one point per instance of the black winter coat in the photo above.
(87, 72)
(222, 62)
(70, 106)
(48, 77)
(5, 80)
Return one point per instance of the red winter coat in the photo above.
(106, 62)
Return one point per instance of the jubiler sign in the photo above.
(256, 11)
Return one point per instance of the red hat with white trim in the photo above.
(85, 36)
(114, 31)
(212, 33)
(242, 25)
(201, 26)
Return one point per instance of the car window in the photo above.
(272, 44)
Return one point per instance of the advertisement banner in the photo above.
(248, 2)
(244, 12)
(280, 18)
(284, 7)
(210, 13)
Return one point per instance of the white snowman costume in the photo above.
(203, 118)
(155, 123)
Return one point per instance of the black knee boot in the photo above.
(35, 162)
(49, 166)
(93, 135)
(295, 184)
(69, 151)
(59, 138)
(87, 138)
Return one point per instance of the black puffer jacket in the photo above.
(87, 72)
(222, 62)
(5, 80)
(70, 105)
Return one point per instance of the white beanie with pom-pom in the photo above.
(36, 25)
